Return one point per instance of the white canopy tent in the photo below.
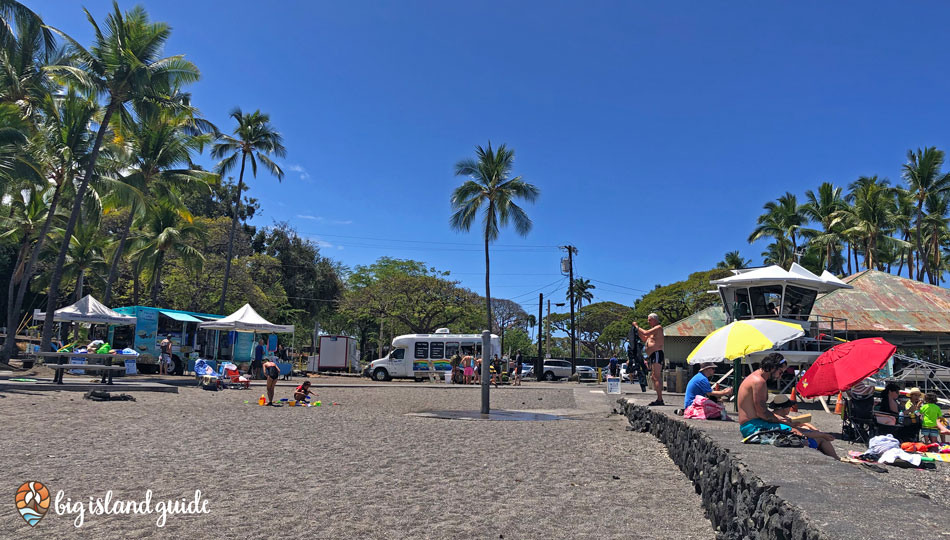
(245, 320)
(87, 310)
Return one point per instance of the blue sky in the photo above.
(655, 131)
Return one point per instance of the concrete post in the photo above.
(486, 377)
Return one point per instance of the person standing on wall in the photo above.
(653, 346)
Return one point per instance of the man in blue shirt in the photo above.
(699, 385)
(613, 366)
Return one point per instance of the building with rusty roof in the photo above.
(907, 313)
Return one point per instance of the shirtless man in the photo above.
(653, 347)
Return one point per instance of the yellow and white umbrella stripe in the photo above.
(741, 338)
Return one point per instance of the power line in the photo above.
(621, 286)
(426, 241)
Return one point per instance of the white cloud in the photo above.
(304, 175)
(342, 221)
(308, 216)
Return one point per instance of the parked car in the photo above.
(586, 372)
(556, 369)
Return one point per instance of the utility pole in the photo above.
(570, 264)
(547, 331)
(540, 361)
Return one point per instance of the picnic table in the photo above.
(106, 369)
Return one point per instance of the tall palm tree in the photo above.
(783, 218)
(254, 138)
(871, 215)
(821, 207)
(490, 185)
(936, 233)
(733, 261)
(86, 255)
(58, 150)
(123, 64)
(923, 176)
(778, 252)
(165, 230)
(582, 288)
(904, 222)
(13, 14)
(28, 210)
(160, 148)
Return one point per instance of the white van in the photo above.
(411, 353)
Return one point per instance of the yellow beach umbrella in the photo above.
(742, 338)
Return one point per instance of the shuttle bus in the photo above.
(410, 354)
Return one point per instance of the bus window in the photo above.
(398, 354)
(422, 350)
(437, 350)
(468, 349)
(451, 349)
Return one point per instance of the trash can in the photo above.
(448, 377)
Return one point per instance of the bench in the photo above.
(107, 369)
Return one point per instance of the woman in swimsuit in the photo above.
(272, 372)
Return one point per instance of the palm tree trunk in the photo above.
(157, 283)
(487, 291)
(80, 284)
(24, 286)
(12, 323)
(849, 258)
(234, 223)
(58, 266)
(920, 211)
(114, 268)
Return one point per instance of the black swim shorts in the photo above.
(656, 357)
(273, 372)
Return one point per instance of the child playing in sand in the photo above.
(930, 413)
(302, 391)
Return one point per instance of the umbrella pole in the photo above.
(736, 367)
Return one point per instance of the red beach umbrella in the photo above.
(841, 366)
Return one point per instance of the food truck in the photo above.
(153, 324)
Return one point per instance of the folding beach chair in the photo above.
(205, 375)
(233, 377)
(857, 423)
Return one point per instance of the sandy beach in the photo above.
(359, 469)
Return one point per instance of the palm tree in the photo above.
(783, 218)
(733, 261)
(821, 207)
(936, 233)
(778, 252)
(85, 256)
(165, 230)
(29, 209)
(871, 214)
(123, 65)
(256, 139)
(159, 153)
(13, 13)
(923, 177)
(582, 288)
(490, 184)
(903, 222)
(59, 147)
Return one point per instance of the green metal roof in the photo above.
(699, 324)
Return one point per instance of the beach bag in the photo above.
(704, 408)
(777, 437)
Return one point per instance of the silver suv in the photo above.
(556, 369)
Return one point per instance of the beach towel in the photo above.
(202, 368)
(937, 456)
(882, 443)
(703, 408)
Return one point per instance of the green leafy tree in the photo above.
(680, 299)
(168, 229)
(783, 219)
(123, 64)
(871, 214)
(254, 138)
(821, 207)
(582, 292)
(491, 186)
(733, 261)
(924, 177)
